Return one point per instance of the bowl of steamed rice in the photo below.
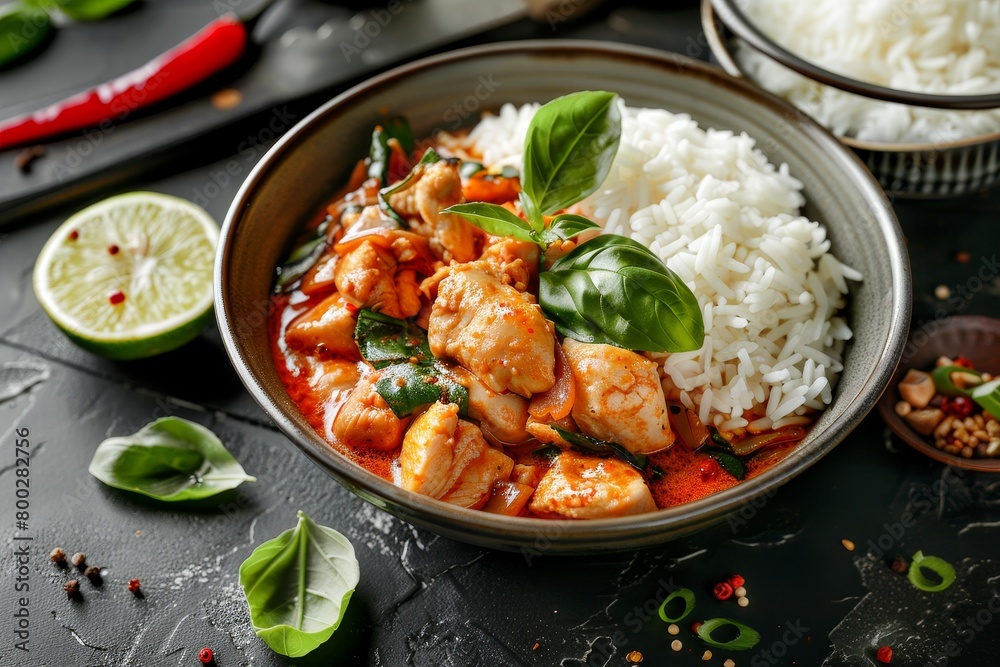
(788, 245)
(912, 87)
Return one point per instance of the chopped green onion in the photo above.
(685, 594)
(746, 639)
(938, 566)
(988, 397)
(944, 384)
(721, 441)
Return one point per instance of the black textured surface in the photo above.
(425, 601)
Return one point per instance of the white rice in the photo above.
(726, 221)
(932, 46)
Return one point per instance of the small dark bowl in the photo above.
(312, 160)
(973, 337)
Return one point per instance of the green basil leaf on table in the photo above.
(85, 10)
(23, 28)
(568, 150)
(411, 376)
(170, 459)
(298, 586)
(613, 290)
(430, 156)
(495, 220)
(567, 225)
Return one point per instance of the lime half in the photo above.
(130, 276)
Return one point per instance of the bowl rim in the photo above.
(485, 528)
(711, 22)
(732, 17)
(898, 425)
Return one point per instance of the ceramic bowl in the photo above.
(313, 160)
(931, 170)
(973, 337)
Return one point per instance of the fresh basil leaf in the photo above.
(567, 225)
(298, 586)
(408, 387)
(430, 156)
(398, 128)
(85, 10)
(729, 463)
(385, 340)
(569, 147)
(23, 28)
(298, 263)
(495, 220)
(170, 459)
(613, 290)
(605, 447)
(411, 376)
(379, 153)
(531, 211)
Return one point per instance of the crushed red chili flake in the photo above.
(206, 656)
(957, 406)
(113, 249)
(74, 235)
(695, 626)
(884, 655)
(736, 581)
(722, 591)
(116, 297)
(535, 647)
(134, 586)
(963, 362)
(963, 257)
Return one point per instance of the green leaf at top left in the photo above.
(169, 459)
(84, 10)
(23, 28)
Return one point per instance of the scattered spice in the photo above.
(695, 626)
(707, 655)
(848, 545)
(673, 629)
(26, 157)
(535, 647)
(134, 587)
(743, 601)
(227, 98)
(736, 581)
(58, 556)
(942, 292)
(900, 565)
(113, 249)
(635, 657)
(729, 663)
(94, 574)
(74, 235)
(722, 591)
(206, 656)
(79, 561)
(963, 257)
(740, 592)
(884, 655)
(676, 645)
(72, 588)
(116, 297)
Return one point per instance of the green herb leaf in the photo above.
(411, 376)
(939, 566)
(379, 153)
(685, 594)
(987, 395)
(594, 446)
(84, 10)
(495, 220)
(745, 640)
(298, 585)
(170, 459)
(430, 156)
(470, 168)
(613, 290)
(728, 462)
(23, 28)
(566, 225)
(569, 147)
(299, 261)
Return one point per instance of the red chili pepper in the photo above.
(695, 626)
(206, 656)
(722, 591)
(214, 47)
(736, 581)
(963, 362)
(958, 406)
(116, 297)
(884, 654)
(134, 586)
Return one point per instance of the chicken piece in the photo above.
(514, 262)
(367, 277)
(543, 432)
(365, 421)
(501, 417)
(493, 331)
(433, 188)
(332, 379)
(618, 397)
(587, 487)
(327, 326)
(447, 458)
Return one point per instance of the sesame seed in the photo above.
(848, 545)
(729, 663)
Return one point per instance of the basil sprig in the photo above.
(170, 459)
(411, 376)
(298, 585)
(610, 289)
